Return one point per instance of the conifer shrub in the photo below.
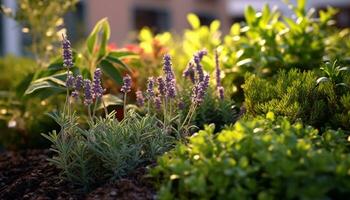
(263, 158)
(298, 95)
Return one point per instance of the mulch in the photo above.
(28, 175)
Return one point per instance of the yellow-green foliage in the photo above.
(265, 158)
(266, 42)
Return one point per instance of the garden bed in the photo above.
(28, 175)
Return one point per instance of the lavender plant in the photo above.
(176, 104)
(108, 148)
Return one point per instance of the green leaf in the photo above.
(36, 86)
(244, 62)
(109, 100)
(235, 29)
(322, 80)
(92, 39)
(106, 33)
(193, 20)
(111, 71)
(123, 54)
(250, 15)
(116, 60)
(214, 26)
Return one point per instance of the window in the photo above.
(74, 22)
(157, 20)
(206, 19)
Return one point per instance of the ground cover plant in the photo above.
(263, 158)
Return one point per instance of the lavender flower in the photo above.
(127, 84)
(75, 94)
(70, 81)
(78, 83)
(170, 82)
(221, 92)
(171, 89)
(139, 98)
(168, 71)
(161, 86)
(217, 70)
(189, 72)
(157, 102)
(88, 99)
(96, 86)
(197, 59)
(198, 91)
(67, 53)
(150, 87)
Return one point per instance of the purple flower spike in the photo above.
(197, 59)
(96, 86)
(79, 83)
(161, 86)
(140, 99)
(221, 92)
(199, 90)
(170, 82)
(157, 102)
(88, 99)
(150, 87)
(189, 72)
(75, 94)
(217, 70)
(126, 88)
(67, 53)
(70, 81)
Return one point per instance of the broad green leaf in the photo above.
(109, 100)
(193, 20)
(111, 71)
(36, 86)
(106, 33)
(122, 54)
(116, 60)
(92, 39)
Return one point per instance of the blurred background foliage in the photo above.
(266, 42)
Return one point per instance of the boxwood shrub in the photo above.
(265, 158)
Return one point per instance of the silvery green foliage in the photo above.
(108, 149)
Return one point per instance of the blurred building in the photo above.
(128, 16)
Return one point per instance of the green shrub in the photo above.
(221, 112)
(296, 95)
(108, 149)
(265, 158)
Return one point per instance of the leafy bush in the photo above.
(264, 43)
(297, 95)
(265, 158)
(108, 148)
(19, 122)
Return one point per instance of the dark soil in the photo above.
(28, 175)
